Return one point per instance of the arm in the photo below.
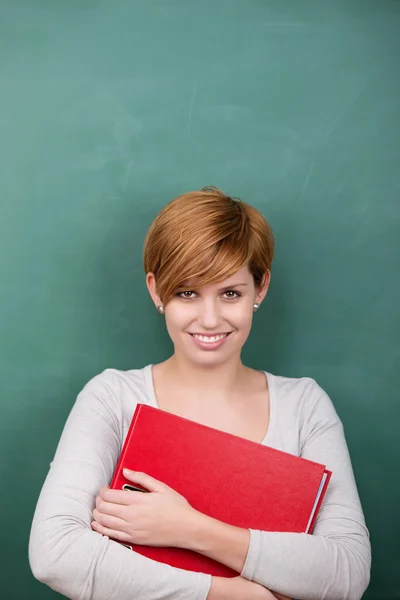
(222, 542)
(217, 540)
(64, 552)
(331, 564)
(239, 588)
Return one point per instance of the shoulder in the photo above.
(302, 400)
(298, 390)
(115, 380)
(121, 390)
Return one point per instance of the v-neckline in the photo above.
(150, 389)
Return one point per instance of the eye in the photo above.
(181, 294)
(189, 295)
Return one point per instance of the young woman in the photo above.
(207, 258)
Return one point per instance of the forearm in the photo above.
(297, 565)
(239, 588)
(334, 562)
(217, 540)
(65, 553)
(223, 588)
(308, 567)
(82, 564)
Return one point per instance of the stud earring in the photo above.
(160, 309)
(256, 307)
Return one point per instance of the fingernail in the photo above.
(128, 472)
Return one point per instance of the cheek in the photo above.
(176, 321)
(242, 316)
(179, 318)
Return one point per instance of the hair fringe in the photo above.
(204, 237)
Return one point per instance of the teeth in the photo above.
(209, 339)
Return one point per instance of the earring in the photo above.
(256, 306)
(160, 309)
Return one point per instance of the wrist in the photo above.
(222, 588)
(237, 588)
(230, 588)
(220, 541)
(195, 531)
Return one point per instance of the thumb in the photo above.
(146, 481)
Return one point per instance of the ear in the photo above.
(152, 287)
(263, 288)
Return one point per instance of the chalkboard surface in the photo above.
(110, 109)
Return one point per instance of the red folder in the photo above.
(225, 476)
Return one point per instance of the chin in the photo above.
(211, 358)
(209, 363)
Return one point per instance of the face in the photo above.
(209, 325)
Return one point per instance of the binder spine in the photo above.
(121, 460)
(321, 498)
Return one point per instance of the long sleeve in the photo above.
(334, 562)
(64, 552)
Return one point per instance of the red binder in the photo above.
(227, 477)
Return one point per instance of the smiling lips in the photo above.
(210, 339)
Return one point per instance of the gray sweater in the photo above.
(64, 552)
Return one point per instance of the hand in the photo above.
(158, 518)
(250, 590)
(239, 588)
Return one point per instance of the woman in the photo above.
(207, 258)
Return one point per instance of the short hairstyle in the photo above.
(205, 237)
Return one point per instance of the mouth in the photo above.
(210, 339)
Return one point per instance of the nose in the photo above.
(209, 317)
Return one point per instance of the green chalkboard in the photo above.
(110, 109)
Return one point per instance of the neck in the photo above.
(205, 381)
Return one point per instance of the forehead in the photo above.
(241, 276)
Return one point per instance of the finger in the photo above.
(109, 521)
(103, 491)
(111, 533)
(149, 483)
(110, 508)
(121, 497)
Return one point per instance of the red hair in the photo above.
(205, 237)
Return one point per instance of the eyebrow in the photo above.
(224, 289)
(188, 286)
(233, 285)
